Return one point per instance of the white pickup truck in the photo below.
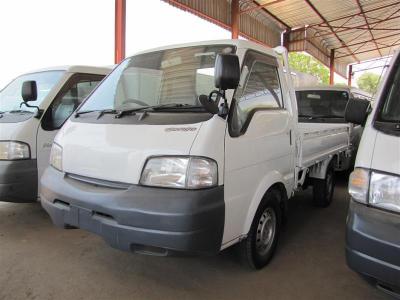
(190, 148)
(33, 107)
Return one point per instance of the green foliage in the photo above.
(307, 64)
(368, 82)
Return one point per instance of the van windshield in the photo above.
(319, 103)
(173, 76)
(390, 110)
(10, 96)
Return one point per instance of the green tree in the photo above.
(368, 82)
(307, 64)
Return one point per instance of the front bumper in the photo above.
(18, 181)
(373, 243)
(137, 218)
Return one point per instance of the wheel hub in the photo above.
(266, 230)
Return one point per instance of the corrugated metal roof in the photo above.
(356, 29)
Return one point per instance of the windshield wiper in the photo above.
(319, 117)
(19, 111)
(101, 112)
(154, 107)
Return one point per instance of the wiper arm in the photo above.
(319, 116)
(101, 112)
(153, 107)
(19, 111)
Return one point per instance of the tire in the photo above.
(258, 248)
(323, 188)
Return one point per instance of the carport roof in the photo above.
(356, 30)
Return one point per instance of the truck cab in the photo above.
(189, 148)
(373, 222)
(33, 107)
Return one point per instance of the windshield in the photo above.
(158, 78)
(328, 104)
(390, 111)
(10, 96)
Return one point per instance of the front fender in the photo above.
(269, 180)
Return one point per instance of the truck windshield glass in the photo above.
(10, 96)
(158, 78)
(390, 111)
(327, 104)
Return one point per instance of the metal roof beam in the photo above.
(357, 14)
(330, 27)
(259, 6)
(397, 43)
(273, 16)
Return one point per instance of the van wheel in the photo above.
(323, 188)
(258, 248)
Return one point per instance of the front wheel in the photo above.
(323, 188)
(259, 246)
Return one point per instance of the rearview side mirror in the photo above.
(226, 72)
(29, 91)
(357, 111)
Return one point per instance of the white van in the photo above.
(33, 107)
(373, 223)
(327, 104)
(190, 148)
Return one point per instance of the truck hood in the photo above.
(117, 152)
(386, 155)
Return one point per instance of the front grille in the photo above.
(99, 182)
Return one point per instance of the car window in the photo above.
(68, 100)
(259, 90)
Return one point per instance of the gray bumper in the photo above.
(373, 243)
(18, 181)
(136, 218)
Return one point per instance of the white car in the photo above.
(190, 148)
(373, 222)
(33, 107)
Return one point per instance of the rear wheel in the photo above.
(323, 188)
(259, 246)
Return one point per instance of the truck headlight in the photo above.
(376, 189)
(12, 150)
(384, 191)
(56, 157)
(180, 172)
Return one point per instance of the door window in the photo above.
(259, 89)
(67, 101)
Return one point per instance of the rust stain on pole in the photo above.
(120, 30)
(235, 14)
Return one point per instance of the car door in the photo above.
(64, 104)
(259, 139)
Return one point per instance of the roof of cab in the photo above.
(77, 69)
(240, 44)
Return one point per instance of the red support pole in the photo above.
(332, 67)
(350, 74)
(120, 26)
(235, 15)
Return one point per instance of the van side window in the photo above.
(67, 101)
(259, 90)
